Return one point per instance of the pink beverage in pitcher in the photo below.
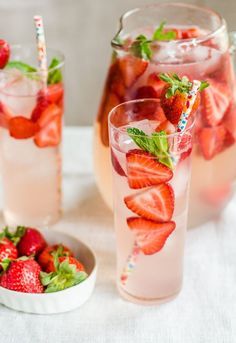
(151, 173)
(146, 46)
(30, 136)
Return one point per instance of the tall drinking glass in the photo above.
(200, 50)
(150, 201)
(31, 114)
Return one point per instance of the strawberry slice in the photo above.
(215, 102)
(229, 139)
(150, 236)
(50, 123)
(131, 68)
(50, 134)
(41, 105)
(22, 128)
(156, 83)
(145, 92)
(116, 164)
(155, 203)
(109, 101)
(192, 32)
(53, 93)
(230, 120)
(166, 126)
(211, 140)
(4, 53)
(115, 81)
(144, 170)
(5, 115)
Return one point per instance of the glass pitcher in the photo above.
(193, 42)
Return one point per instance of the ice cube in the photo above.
(181, 178)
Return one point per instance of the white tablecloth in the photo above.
(205, 310)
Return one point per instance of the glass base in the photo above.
(146, 301)
(15, 220)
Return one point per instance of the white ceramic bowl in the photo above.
(58, 302)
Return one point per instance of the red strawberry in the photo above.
(229, 139)
(23, 276)
(215, 102)
(5, 115)
(40, 107)
(155, 203)
(72, 260)
(175, 105)
(145, 92)
(150, 236)
(46, 258)
(211, 140)
(166, 126)
(156, 83)
(31, 243)
(144, 170)
(4, 53)
(131, 68)
(229, 120)
(51, 127)
(53, 93)
(115, 81)
(22, 128)
(7, 249)
(109, 101)
(116, 164)
(192, 32)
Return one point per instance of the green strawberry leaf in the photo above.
(55, 75)
(14, 237)
(5, 264)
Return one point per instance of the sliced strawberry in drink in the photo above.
(50, 134)
(116, 164)
(157, 84)
(109, 101)
(41, 105)
(144, 170)
(115, 80)
(150, 236)
(229, 120)
(229, 139)
(155, 203)
(167, 127)
(5, 115)
(192, 32)
(4, 53)
(145, 92)
(49, 114)
(215, 102)
(53, 93)
(22, 128)
(211, 140)
(131, 68)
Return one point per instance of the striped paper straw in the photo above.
(41, 46)
(130, 263)
(189, 104)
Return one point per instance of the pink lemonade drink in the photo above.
(151, 173)
(192, 42)
(30, 137)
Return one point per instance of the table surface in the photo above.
(205, 310)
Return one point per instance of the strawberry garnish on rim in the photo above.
(175, 95)
(150, 236)
(211, 140)
(215, 102)
(131, 68)
(155, 203)
(144, 170)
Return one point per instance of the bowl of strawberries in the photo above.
(44, 271)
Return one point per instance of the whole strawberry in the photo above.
(174, 96)
(7, 248)
(4, 53)
(23, 275)
(32, 242)
(46, 257)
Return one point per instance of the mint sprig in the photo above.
(54, 76)
(182, 85)
(23, 67)
(156, 144)
(141, 45)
